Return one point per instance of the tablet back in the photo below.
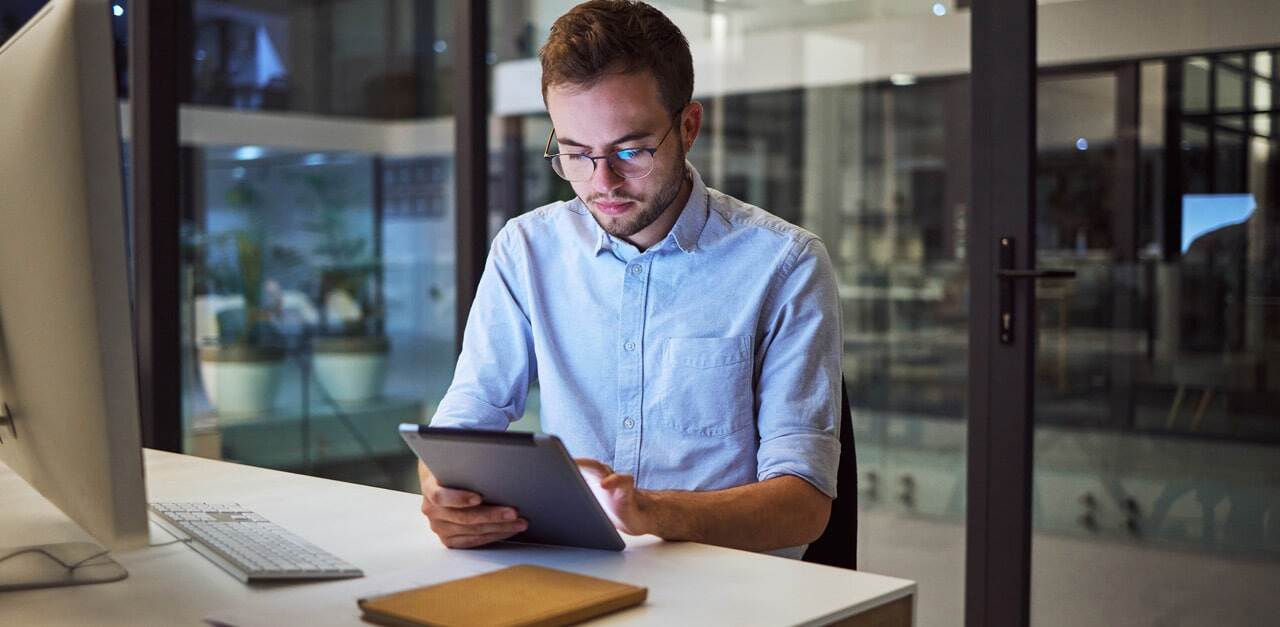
(530, 472)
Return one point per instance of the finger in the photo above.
(475, 515)
(446, 529)
(427, 485)
(593, 467)
(448, 497)
(471, 542)
(617, 481)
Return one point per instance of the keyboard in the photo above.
(247, 545)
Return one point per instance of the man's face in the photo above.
(623, 111)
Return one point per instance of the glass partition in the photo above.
(1156, 441)
(822, 115)
(318, 233)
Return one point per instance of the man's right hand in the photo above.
(460, 518)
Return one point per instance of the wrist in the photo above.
(647, 509)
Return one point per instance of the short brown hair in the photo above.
(603, 37)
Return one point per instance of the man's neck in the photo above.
(657, 231)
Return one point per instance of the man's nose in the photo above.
(604, 179)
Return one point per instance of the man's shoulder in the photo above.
(550, 222)
(745, 219)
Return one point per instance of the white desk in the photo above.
(382, 532)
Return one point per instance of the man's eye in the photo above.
(574, 157)
(629, 154)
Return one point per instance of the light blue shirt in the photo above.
(708, 361)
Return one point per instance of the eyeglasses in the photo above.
(629, 163)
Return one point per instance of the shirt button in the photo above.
(629, 346)
(636, 269)
(628, 423)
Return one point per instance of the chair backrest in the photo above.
(838, 544)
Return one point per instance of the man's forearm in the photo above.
(776, 513)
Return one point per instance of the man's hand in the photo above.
(779, 512)
(460, 519)
(617, 493)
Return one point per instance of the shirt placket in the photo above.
(635, 289)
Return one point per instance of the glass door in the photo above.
(1156, 491)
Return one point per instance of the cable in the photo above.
(75, 565)
(53, 557)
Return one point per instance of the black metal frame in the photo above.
(155, 43)
(998, 529)
(471, 165)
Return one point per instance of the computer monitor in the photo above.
(67, 367)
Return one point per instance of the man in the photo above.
(687, 345)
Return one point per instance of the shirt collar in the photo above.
(688, 227)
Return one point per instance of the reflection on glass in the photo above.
(1263, 64)
(1156, 369)
(817, 113)
(1262, 124)
(1195, 84)
(363, 58)
(319, 257)
(315, 302)
(1203, 214)
(1230, 87)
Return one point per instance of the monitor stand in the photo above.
(54, 565)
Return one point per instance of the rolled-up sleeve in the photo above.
(797, 393)
(492, 377)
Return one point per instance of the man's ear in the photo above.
(690, 124)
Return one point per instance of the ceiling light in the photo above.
(247, 153)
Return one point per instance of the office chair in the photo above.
(838, 544)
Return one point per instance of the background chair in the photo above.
(838, 544)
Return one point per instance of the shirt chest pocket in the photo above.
(703, 386)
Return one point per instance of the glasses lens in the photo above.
(633, 163)
(573, 167)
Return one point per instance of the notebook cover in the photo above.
(522, 595)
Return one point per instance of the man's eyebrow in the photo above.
(621, 140)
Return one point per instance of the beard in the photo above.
(649, 207)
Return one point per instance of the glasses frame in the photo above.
(609, 158)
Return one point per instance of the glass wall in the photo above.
(318, 232)
(851, 119)
(1157, 444)
(318, 259)
(821, 114)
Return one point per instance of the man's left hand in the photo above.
(617, 494)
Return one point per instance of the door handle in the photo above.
(1007, 275)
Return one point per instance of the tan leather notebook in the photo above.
(517, 595)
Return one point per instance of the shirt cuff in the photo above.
(460, 411)
(810, 455)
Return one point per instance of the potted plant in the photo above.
(241, 367)
(349, 350)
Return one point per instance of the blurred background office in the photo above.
(318, 256)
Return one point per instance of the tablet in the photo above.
(530, 472)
